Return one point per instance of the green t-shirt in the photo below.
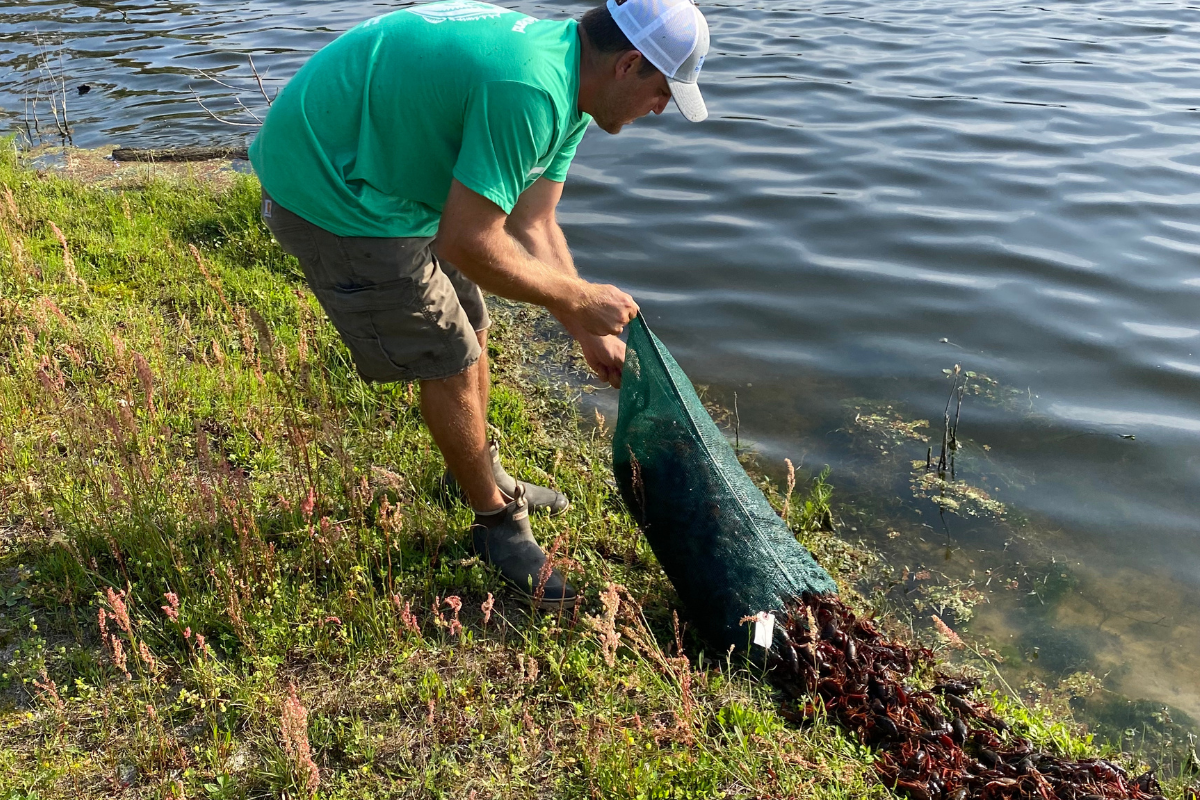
(364, 140)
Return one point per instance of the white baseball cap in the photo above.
(673, 36)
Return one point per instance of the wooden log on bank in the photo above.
(178, 153)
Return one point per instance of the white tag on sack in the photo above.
(764, 629)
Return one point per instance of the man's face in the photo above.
(627, 96)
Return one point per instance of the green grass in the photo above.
(195, 427)
(188, 422)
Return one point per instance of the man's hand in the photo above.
(595, 309)
(605, 355)
(598, 309)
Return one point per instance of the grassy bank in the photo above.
(227, 569)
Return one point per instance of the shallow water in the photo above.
(883, 190)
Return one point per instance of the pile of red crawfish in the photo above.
(935, 744)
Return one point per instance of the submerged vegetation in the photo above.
(228, 569)
(886, 430)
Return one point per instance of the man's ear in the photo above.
(627, 64)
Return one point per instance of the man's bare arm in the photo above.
(473, 237)
(534, 223)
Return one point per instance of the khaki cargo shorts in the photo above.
(403, 314)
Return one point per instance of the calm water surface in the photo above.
(883, 190)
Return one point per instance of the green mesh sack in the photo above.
(725, 550)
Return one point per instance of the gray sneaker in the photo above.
(539, 498)
(505, 540)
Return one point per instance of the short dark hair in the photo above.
(608, 38)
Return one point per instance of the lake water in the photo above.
(883, 190)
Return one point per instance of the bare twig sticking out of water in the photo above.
(58, 93)
(56, 97)
(950, 430)
(258, 80)
(257, 122)
(33, 131)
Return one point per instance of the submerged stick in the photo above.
(179, 153)
(943, 462)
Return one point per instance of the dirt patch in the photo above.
(96, 167)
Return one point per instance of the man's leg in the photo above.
(538, 497)
(484, 376)
(455, 410)
(455, 414)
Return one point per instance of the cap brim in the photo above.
(688, 99)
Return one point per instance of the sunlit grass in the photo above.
(228, 570)
(183, 424)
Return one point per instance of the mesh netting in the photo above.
(724, 548)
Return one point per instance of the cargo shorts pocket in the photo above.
(403, 329)
(398, 313)
(359, 314)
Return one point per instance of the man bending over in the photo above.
(418, 159)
